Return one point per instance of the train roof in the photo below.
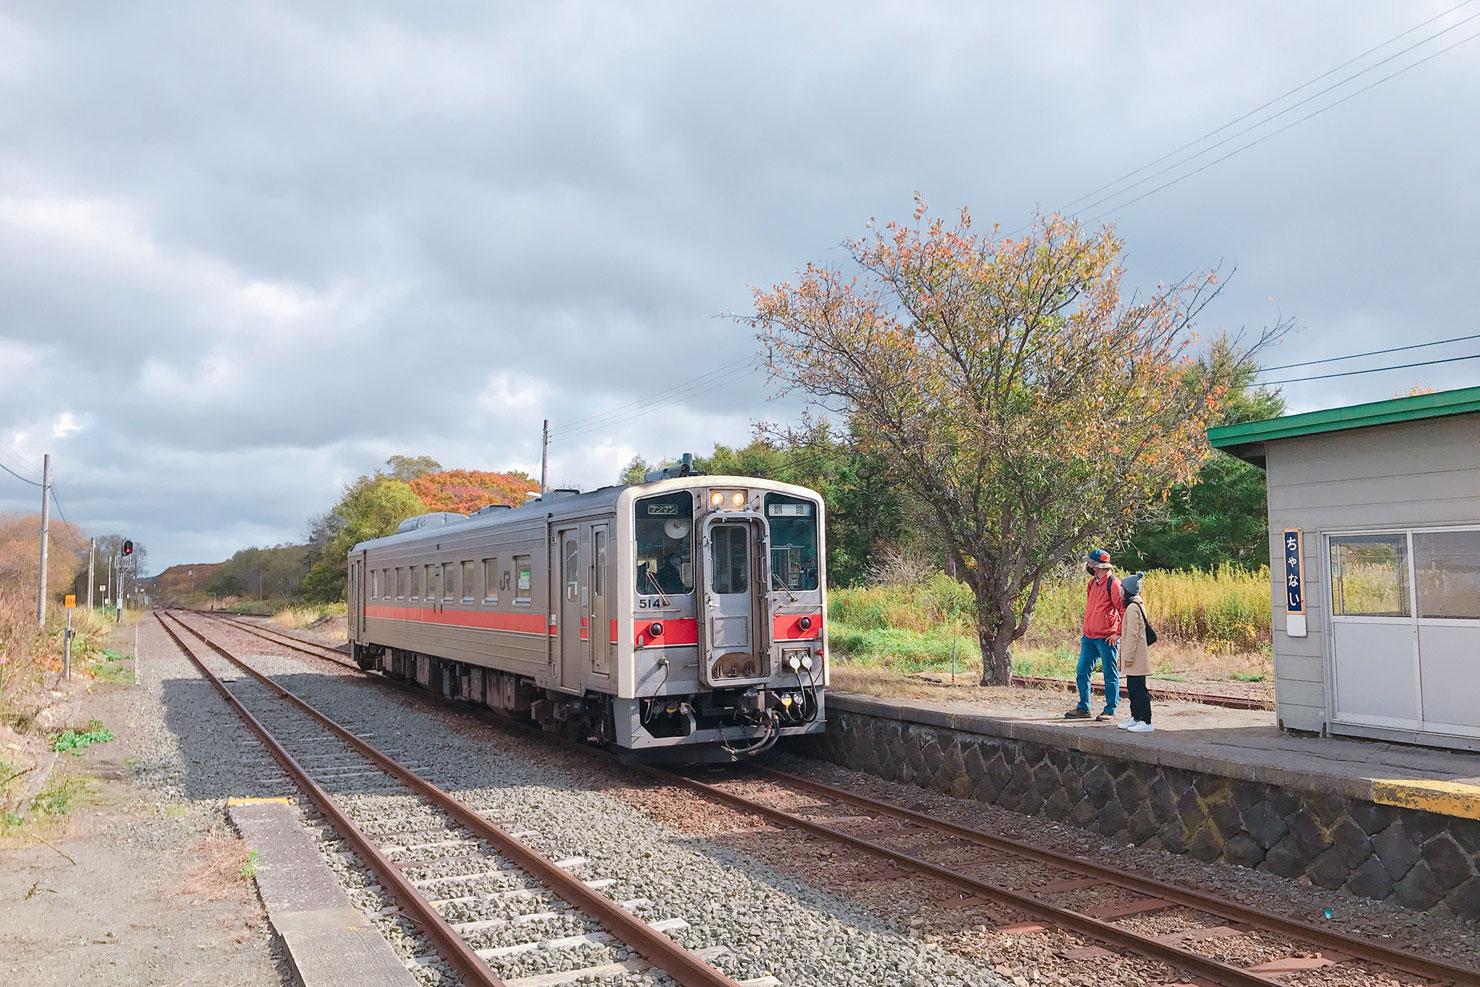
(439, 524)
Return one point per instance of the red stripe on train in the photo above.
(685, 631)
(519, 623)
(675, 632)
(789, 627)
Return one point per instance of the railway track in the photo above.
(461, 879)
(1062, 892)
(1205, 698)
(283, 638)
(1063, 889)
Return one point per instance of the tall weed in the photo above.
(1224, 610)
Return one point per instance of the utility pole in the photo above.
(45, 531)
(545, 458)
(92, 546)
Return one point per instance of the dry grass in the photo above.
(303, 616)
(1226, 609)
(219, 876)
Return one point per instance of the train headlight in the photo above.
(738, 498)
(716, 499)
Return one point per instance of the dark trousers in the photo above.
(1140, 698)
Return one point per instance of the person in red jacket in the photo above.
(1104, 603)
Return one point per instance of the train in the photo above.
(682, 618)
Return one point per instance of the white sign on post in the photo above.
(1294, 584)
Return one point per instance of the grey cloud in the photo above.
(257, 248)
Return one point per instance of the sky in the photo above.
(251, 250)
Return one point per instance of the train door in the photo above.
(729, 629)
(603, 644)
(356, 594)
(573, 599)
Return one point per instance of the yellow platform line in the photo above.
(1445, 798)
(254, 801)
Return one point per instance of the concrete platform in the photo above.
(331, 943)
(1382, 820)
(1237, 743)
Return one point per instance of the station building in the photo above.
(1374, 528)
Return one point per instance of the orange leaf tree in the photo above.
(1028, 402)
(464, 491)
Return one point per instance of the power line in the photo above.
(58, 501)
(34, 483)
(1275, 116)
(746, 370)
(1276, 133)
(1373, 370)
(653, 395)
(1266, 105)
(19, 460)
(1353, 356)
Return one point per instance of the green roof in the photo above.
(1246, 440)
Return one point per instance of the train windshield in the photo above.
(665, 544)
(793, 524)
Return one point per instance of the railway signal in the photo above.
(128, 547)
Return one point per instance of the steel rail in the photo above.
(682, 965)
(1175, 956)
(297, 644)
(1434, 969)
(451, 946)
(1223, 908)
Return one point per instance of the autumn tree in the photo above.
(1028, 403)
(408, 468)
(1221, 517)
(371, 507)
(464, 491)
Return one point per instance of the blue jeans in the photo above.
(1097, 649)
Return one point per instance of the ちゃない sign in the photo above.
(1294, 546)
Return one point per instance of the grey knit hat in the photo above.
(1131, 585)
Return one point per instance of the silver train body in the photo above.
(682, 618)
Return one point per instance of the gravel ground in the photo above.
(769, 923)
(908, 908)
(1451, 939)
(143, 886)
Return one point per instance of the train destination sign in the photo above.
(1294, 550)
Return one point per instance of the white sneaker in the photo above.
(1127, 723)
(1139, 727)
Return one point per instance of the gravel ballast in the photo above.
(766, 922)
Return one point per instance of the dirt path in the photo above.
(129, 886)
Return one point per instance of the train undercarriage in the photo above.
(715, 725)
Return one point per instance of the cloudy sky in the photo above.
(248, 251)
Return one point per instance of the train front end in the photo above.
(728, 617)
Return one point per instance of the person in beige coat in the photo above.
(1135, 656)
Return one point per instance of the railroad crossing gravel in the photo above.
(771, 923)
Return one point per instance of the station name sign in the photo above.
(1294, 551)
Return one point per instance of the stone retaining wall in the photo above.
(1421, 860)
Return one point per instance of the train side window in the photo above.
(400, 583)
(388, 587)
(598, 553)
(523, 580)
(447, 581)
(431, 593)
(374, 585)
(415, 583)
(490, 580)
(468, 584)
